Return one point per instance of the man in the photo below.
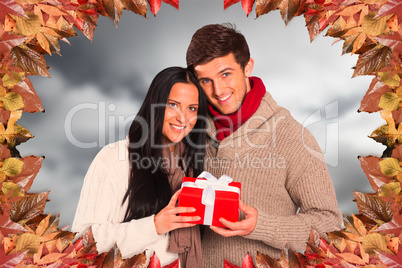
(286, 188)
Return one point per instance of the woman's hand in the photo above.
(167, 219)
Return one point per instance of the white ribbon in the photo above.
(210, 185)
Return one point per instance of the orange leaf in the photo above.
(50, 258)
(359, 225)
(394, 244)
(351, 10)
(352, 258)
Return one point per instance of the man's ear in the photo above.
(249, 67)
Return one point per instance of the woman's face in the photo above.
(180, 112)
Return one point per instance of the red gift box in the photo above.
(224, 204)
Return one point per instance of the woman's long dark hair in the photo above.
(149, 190)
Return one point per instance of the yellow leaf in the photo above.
(12, 166)
(390, 166)
(389, 101)
(14, 134)
(393, 81)
(29, 26)
(12, 101)
(359, 225)
(27, 241)
(359, 42)
(399, 177)
(12, 81)
(375, 242)
(43, 225)
(374, 26)
(9, 186)
(3, 177)
(3, 91)
(390, 187)
(43, 42)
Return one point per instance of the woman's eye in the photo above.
(172, 105)
(205, 81)
(193, 109)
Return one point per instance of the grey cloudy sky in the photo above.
(97, 87)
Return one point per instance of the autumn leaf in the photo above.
(371, 99)
(247, 6)
(265, 6)
(374, 26)
(29, 61)
(10, 7)
(11, 166)
(390, 166)
(140, 6)
(12, 101)
(27, 26)
(228, 3)
(12, 40)
(14, 134)
(154, 262)
(375, 242)
(227, 264)
(390, 228)
(288, 9)
(394, 187)
(8, 187)
(31, 100)
(11, 260)
(30, 169)
(387, 134)
(11, 227)
(390, 260)
(13, 79)
(263, 260)
(28, 207)
(373, 207)
(372, 61)
(371, 167)
(391, 7)
(26, 241)
(394, 41)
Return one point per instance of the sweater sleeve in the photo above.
(314, 194)
(100, 207)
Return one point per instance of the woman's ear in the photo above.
(249, 67)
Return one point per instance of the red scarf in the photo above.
(227, 124)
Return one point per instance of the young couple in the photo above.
(212, 116)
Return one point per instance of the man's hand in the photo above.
(241, 228)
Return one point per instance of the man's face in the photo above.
(224, 82)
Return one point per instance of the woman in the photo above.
(127, 197)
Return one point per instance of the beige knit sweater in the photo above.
(283, 175)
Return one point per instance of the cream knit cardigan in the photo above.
(283, 175)
(100, 206)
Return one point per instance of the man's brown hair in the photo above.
(214, 41)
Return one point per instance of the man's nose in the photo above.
(218, 88)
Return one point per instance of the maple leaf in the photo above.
(10, 7)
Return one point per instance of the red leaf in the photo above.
(393, 41)
(391, 7)
(4, 116)
(11, 227)
(4, 152)
(154, 262)
(173, 3)
(114, 9)
(371, 100)
(247, 6)
(390, 228)
(228, 3)
(32, 102)
(11, 7)
(82, 2)
(247, 262)
(227, 264)
(373, 207)
(390, 260)
(174, 264)
(12, 40)
(30, 169)
(371, 167)
(263, 7)
(155, 5)
(10, 261)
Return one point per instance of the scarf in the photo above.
(184, 241)
(227, 124)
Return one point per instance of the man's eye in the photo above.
(226, 74)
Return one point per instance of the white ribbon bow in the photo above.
(210, 185)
